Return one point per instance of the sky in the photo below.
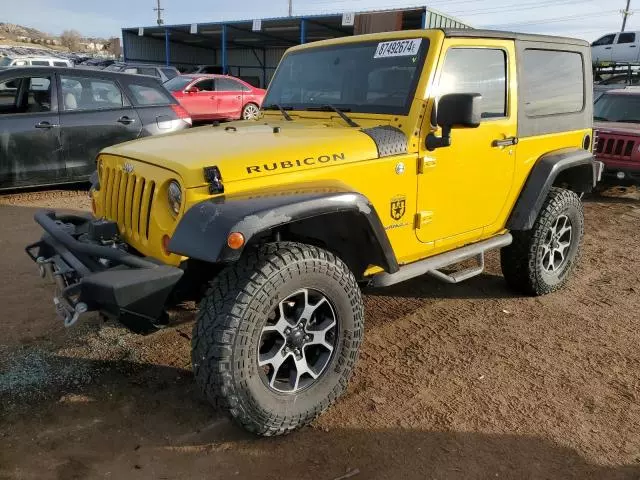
(588, 19)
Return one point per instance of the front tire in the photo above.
(540, 260)
(277, 336)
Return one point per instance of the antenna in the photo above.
(159, 9)
(290, 8)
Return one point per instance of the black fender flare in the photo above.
(202, 232)
(575, 167)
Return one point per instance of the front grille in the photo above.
(127, 201)
(614, 147)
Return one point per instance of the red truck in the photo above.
(617, 132)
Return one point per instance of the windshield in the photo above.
(4, 61)
(617, 108)
(371, 77)
(177, 84)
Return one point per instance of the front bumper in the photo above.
(621, 176)
(93, 277)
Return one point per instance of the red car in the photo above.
(216, 97)
(617, 126)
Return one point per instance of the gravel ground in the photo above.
(463, 381)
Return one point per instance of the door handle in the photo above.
(507, 142)
(126, 120)
(239, 97)
(607, 48)
(46, 125)
(632, 46)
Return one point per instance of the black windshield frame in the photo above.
(272, 98)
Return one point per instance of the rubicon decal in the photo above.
(300, 163)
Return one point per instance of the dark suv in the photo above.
(54, 121)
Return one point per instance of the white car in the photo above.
(621, 47)
(35, 62)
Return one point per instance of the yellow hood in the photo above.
(244, 150)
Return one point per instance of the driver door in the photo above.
(463, 188)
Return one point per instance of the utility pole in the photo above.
(291, 8)
(159, 9)
(625, 13)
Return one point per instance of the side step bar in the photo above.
(433, 264)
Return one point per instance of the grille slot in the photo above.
(128, 200)
(615, 147)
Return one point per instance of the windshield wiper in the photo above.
(329, 108)
(600, 119)
(282, 109)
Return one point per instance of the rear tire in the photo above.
(270, 354)
(250, 111)
(540, 260)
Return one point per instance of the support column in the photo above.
(224, 49)
(167, 51)
(424, 19)
(264, 68)
(303, 31)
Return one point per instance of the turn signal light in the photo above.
(235, 240)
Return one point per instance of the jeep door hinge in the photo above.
(424, 163)
(423, 218)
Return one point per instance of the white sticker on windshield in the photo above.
(398, 48)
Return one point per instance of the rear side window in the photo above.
(59, 64)
(40, 63)
(552, 82)
(205, 85)
(627, 38)
(228, 85)
(149, 95)
(477, 70)
(85, 94)
(148, 71)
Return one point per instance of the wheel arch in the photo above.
(575, 169)
(334, 218)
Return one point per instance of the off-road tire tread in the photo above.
(219, 322)
(519, 260)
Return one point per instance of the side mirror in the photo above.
(192, 90)
(455, 110)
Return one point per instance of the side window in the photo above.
(477, 70)
(205, 85)
(149, 95)
(60, 64)
(40, 63)
(627, 38)
(25, 95)
(20, 63)
(228, 85)
(84, 93)
(551, 82)
(606, 40)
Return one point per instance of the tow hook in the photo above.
(70, 315)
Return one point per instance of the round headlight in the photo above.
(174, 194)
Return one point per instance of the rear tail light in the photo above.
(182, 113)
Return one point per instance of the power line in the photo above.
(555, 20)
(523, 6)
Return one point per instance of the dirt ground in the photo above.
(463, 381)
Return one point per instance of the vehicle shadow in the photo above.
(148, 421)
(617, 195)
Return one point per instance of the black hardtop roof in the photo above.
(473, 33)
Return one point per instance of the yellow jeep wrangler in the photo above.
(378, 158)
